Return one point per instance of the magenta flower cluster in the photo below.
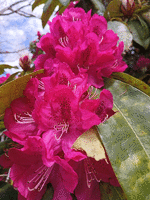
(59, 106)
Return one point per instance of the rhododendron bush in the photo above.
(73, 130)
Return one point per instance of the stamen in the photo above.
(101, 40)
(105, 118)
(24, 120)
(90, 172)
(115, 64)
(8, 175)
(41, 85)
(40, 178)
(61, 129)
(64, 41)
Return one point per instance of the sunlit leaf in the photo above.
(37, 3)
(46, 6)
(13, 90)
(110, 192)
(126, 138)
(2, 67)
(132, 81)
(122, 32)
(90, 143)
(49, 10)
(64, 2)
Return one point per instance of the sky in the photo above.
(16, 32)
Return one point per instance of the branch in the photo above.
(3, 10)
(6, 52)
(18, 11)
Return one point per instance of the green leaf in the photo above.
(113, 10)
(139, 33)
(49, 10)
(11, 78)
(126, 78)
(64, 2)
(37, 3)
(2, 126)
(126, 138)
(109, 192)
(47, 5)
(49, 193)
(122, 32)
(13, 90)
(5, 145)
(146, 16)
(2, 67)
(7, 191)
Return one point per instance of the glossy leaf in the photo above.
(13, 90)
(132, 81)
(140, 33)
(37, 3)
(7, 192)
(122, 32)
(2, 67)
(47, 12)
(126, 138)
(46, 6)
(109, 192)
(64, 2)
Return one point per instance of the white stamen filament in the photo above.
(41, 85)
(24, 120)
(64, 41)
(7, 178)
(101, 40)
(115, 64)
(41, 178)
(62, 128)
(90, 172)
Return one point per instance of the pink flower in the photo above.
(4, 78)
(142, 64)
(30, 175)
(18, 120)
(83, 42)
(90, 173)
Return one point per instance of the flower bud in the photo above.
(128, 7)
(25, 62)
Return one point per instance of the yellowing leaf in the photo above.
(90, 143)
(13, 90)
(132, 81)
